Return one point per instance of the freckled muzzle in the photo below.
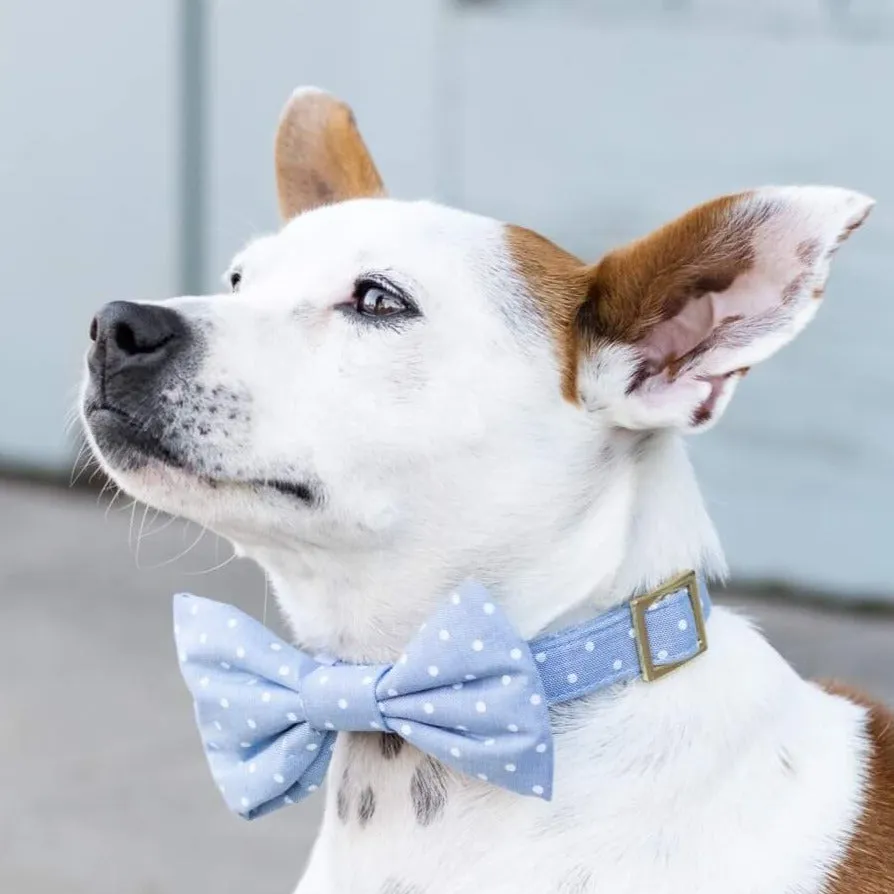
(138, 352)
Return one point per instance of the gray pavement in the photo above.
(104, 787)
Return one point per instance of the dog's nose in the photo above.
(127, 335)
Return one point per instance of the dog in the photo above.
(392, 397)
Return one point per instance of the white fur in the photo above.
(446, 450)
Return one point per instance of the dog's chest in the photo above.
(399, 822)
(769, 813)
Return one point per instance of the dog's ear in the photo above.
(672, 322)
(320, 156)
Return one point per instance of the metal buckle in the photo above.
(638, 608)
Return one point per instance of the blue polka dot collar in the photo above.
(468, 689)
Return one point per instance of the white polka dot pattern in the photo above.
(466, 690)
(606, 646)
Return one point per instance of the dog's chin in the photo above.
(156, 473)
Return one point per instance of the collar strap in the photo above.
(648, 637)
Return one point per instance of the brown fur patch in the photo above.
(868, 864)
(796, 287)
(558, 283)
(649, 281)
(320, 156)
(851, 226)
(809, 251)
(632, 289)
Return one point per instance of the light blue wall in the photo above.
(591, 120)
(88, 167)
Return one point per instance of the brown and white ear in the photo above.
(320, 156)
(673, 321)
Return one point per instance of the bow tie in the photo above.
(467, 690)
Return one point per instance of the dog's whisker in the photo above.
(80, 454)
(85, 459)
(133, 515)
(71, 422)
(214, 568)
(152, 531)
(108, 485)
(185, 552)
(140, 536)
(113, 498)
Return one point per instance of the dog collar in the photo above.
(467, 690)
(649, 637)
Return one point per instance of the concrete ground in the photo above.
(104, 786)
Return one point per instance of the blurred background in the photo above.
(136, 158)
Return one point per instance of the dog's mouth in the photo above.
(127, 444)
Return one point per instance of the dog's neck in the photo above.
(647, 525)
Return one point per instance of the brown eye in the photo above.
(374, 301)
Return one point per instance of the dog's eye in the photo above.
(235, 280)
(373, 300)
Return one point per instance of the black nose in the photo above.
(133, 336)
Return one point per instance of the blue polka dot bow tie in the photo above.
(467, 690)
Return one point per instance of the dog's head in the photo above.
(387, 376)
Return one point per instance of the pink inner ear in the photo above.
(674, 346)
(759, 300)
(672, 339)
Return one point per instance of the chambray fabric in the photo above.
(602, 651)
(467, 690)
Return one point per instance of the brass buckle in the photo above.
(638, 608)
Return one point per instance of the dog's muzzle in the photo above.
(136, 349)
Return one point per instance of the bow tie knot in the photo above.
(343, 697)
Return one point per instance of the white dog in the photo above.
(397, 396)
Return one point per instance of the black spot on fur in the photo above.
(343, 798)
(395, 886)
(428, 791)
(578, 881)
(367, 805)
(785, 758)
(391, 745)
